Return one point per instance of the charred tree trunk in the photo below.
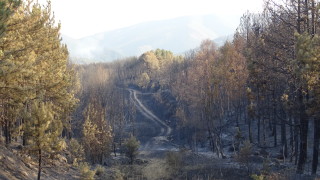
(259, 119)
(317, 119)
(24, 135)
(9, 132)
(303, 134)
(258, 124)
(211, 139)
(306, 14)
(296, 140)
(274, 129)
(6, 132)
(250, 130)
(313, 22)
(264, 131)
(39, 165)
(291, 139)
(316, 145)
(114, 149)
(284, 139)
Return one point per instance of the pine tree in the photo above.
(7, 8)
(44, 131)
(308, 61)
(97, 138)
(16, 73)
(33, 60)
(131, 147)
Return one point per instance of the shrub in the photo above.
(131, 147)
(117, 175)
(244, 155)
(76, 150)
(174, 160)
(86, 172)
(257, 177)
(157, 169)
(265, 167)
(238, 139)
(100, 170)
(101, 173)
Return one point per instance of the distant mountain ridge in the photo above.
(177, 35)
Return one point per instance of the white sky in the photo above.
(81, 18)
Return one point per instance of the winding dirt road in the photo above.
(159, 142)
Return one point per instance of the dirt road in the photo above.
(160, 141)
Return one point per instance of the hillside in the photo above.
(177, 35)
(16, 164)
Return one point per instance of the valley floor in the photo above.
(159, 158)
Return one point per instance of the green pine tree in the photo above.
(97, 137)
(7, 8)
(43, 130)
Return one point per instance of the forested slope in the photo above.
(262, 87)
(36, 81)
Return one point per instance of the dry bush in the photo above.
(76, 152)
(244, 155)
(86, 172)
(174, 160)
(258, 177)
(286, 174)
(117, 175)
(130, 171)
(111, 174)
(101, 172)
(157, 169)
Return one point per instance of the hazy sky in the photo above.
(81, 18)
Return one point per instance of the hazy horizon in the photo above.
(177, 35)
(98, 16)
